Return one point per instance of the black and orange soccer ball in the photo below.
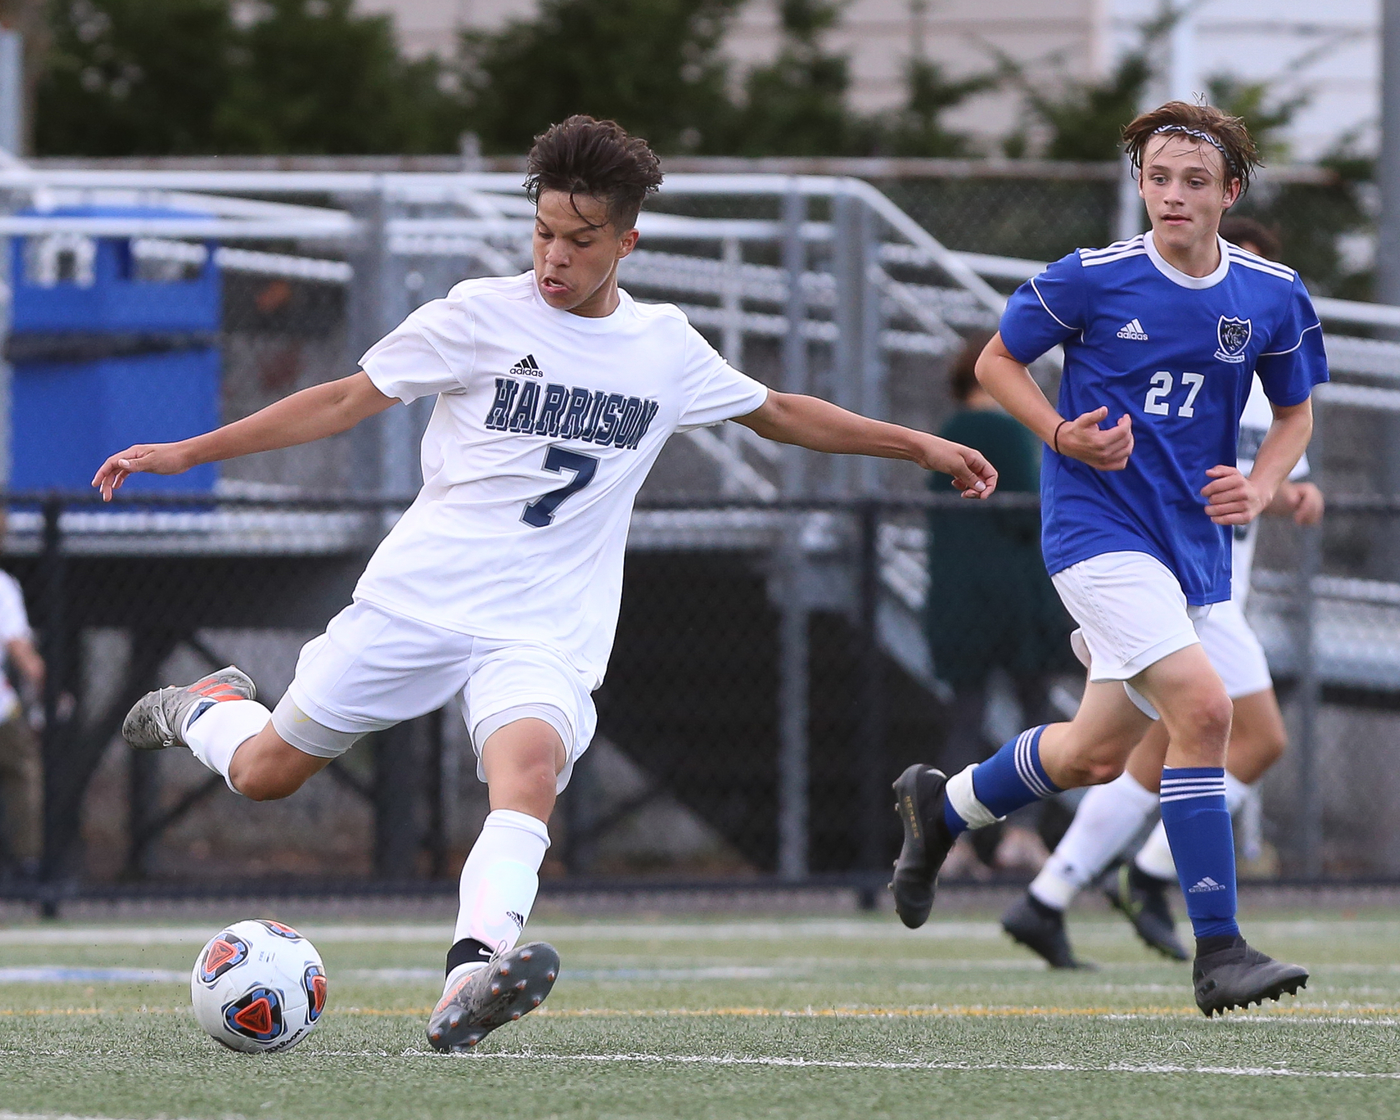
(258, 986)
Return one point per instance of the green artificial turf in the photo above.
(682, 1019)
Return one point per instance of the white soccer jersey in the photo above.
(1258, 415)
(14, 623)
(545, 427)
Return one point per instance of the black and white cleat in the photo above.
(1142, 899)
(919, 803)
(510, 986)
(1237, 976)
(1042, 930)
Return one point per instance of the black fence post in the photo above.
(396, 772)
(55, 652)
(435, 832)
(871, 726)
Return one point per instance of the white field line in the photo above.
(834, 929)
(1153, 1068)
(4, 1115)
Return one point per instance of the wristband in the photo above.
(1055, 440)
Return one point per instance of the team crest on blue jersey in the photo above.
(1234, 336)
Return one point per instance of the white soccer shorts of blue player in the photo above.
(1160, 334)
(555, 393)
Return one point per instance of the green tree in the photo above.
(652, 65)
(173, 77)
(917, 129)
(124, 77)
(314, 77)
(1255, 104)
(796, 105)
(1082, 120)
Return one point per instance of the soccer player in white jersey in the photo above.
(1112, 815)
(1160, 335)
(555, 393)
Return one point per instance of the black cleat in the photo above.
(1041, 929)
(490, 997)
(919, 803)
(1237, 976)
(1142, 899)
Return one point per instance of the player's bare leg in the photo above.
(268, 768)
(491, 981)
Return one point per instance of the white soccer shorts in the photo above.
(1234, 650)
(1131, 612)
(372, 669)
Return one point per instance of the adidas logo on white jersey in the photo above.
(1205, 886)
(1132, 331)
(528, 367)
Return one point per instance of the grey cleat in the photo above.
(1238, 975)
(155, 720)
(1041, 929)
(511, 985)
(919, 803)
(1142, 899)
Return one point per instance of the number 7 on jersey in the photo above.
(540, 512)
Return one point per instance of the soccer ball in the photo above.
(258, 987)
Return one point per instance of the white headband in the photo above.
(1199, 135)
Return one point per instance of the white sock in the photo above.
(1155, 857)
(1108, 818)
(1236, 793)
(214, 733)
(499, 881)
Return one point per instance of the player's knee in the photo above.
(1200, 723)
(1092, 771)
(261, 783)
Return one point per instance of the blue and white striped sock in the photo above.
(1203, 844)
(1010, 779)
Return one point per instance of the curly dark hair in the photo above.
(583, 156)
(1204, 123)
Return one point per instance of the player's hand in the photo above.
(1231, 499)
(1103, 449)
(1301, 501)
(147, 458)
(971, 472)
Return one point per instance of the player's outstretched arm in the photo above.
(312, 414)
(1233, 499)
(1011, 385)
(822, 426)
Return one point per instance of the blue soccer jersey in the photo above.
(1177, 354)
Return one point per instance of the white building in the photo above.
(1328, 50)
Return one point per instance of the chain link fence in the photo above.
(794, 629)
(776, 666)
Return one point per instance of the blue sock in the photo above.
(1203, 845)
(1010, 779)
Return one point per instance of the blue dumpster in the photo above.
(106, 352)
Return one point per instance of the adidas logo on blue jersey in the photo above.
(527, 367)
(1132, 331)
(1205, 886)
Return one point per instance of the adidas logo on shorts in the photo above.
(1131, 330)
(528, 367)
(1205, 886)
